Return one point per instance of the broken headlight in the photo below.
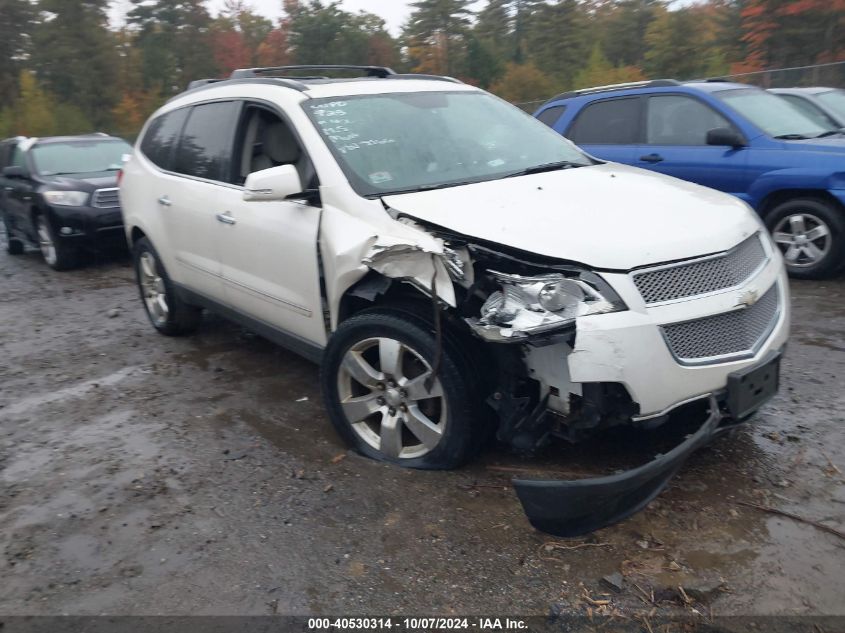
(527, 306)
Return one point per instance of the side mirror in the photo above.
(725, 136)
(276, 183)
(14, 171)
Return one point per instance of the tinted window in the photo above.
(17, 159)
(206, 144)
(679, 120)
(4, 154)
(550, 116)
(161, 137)
(810, 110)
(612, 122)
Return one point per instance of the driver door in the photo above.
(268, 249)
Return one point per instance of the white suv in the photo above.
(458, 269)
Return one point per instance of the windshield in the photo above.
(835, 100)
(772, 114)
(79, 157)
(391, 143)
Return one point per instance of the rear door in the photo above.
(676, 127)
(197, 192)
(609, 128)
(19, 194)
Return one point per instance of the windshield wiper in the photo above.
(828, 133)
(538, 169)
(793, 137)
(429, 187)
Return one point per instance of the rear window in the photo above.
(79, 157)
(206, 144)
(610, 122)
(161, 137)
(552, 115)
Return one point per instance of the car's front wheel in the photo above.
(56, 252)
(383, 397)
(168, 313)
(811, 235)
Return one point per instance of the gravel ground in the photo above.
(148, 475)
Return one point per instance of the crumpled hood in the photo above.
(606, 216)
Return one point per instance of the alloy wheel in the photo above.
(45, 242)
(153, 289)
(803, 238)
(391, 399)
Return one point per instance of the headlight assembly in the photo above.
(66, 198)
(527, 306)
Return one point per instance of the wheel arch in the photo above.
(776, 198)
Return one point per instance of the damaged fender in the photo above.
(349, 247)
(577, 507)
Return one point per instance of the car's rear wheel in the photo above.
(57, 254)
(168, 313)
(383, 397)
(811, 235)
(14, 246)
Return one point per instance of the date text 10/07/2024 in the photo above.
(417, 624)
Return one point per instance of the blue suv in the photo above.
(732, 137)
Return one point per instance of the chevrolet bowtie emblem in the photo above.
(748, 298)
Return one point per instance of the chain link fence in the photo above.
(831, 75)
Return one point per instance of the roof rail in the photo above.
(652, 83)
(368, 71)
(197, 83)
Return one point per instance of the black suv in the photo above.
(60, 193)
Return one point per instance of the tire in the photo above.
(167, 312)
(385, 411)
(58, 254)
(793, 225)
(14, 246)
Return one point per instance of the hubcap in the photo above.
(153, 290)
(45, 242)
(386, 397)
(803, 238)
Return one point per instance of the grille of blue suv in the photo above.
(105, 199)
(727, 270)
(736, 333)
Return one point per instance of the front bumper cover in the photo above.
(577, 507)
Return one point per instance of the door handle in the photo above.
(651, 158)
(164, 201)
(225, 218)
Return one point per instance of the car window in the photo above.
(552, 115)
(17, 159)
(161, 137)
(205, 146)
(79, 157)
(610, 122)
(398, 142)
(264, 140)
(835, 100)
(4, 154)
(771, 114)
(680, 120)
(809, 109)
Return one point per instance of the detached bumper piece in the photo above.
(581, 506)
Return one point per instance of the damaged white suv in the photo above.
(458, 269)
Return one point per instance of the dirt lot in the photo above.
(147, 475)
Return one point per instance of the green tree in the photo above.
(33, 112)
(175, 42)
(622, 28)
(443, 26)
(676, 46)
(73, 54)
(600, 72)
(557, 40)
(16, 21)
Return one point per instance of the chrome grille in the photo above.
(699, 277)
(738, 332)
(105, 198)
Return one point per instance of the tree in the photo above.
(175, 42)
(522, 83)
(600, 72)
(273, 51)
(73, 55)
(15, 27)
(33, 110)
(441, 25)
(676, 45)
(622, 28)
(557, 40)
